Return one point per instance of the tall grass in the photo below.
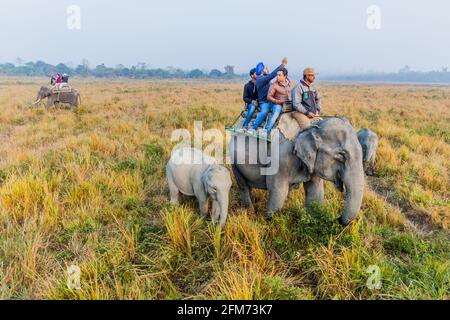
(88, 189)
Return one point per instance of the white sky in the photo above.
(327, 34)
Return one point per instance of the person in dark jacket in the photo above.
(250, 98)
(263, 85)
(65, 78)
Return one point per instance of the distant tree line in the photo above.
(142, 71)
(405, 74)
(139, 71)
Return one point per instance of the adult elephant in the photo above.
(66, 95)
(327, 150)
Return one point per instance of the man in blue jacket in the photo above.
(262, 85)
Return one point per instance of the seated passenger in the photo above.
(279, 94)
(53, 80)
(58, 79)
(250, 99)
(65, 78)
(64, 81)
(306, 100)
(263, 85)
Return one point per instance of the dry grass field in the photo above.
(88, 189)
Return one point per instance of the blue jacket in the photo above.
(263, 84)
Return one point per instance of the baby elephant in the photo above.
(193, 173)
(369, 143)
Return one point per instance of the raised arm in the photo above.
(283, 64)
(266, 79)
(274, 72)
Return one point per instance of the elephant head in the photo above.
(43, 93)
(217, 183)
(330, 149)
(369, 143)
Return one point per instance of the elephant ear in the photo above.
(46, 91)
(306, 147)
(206, 179)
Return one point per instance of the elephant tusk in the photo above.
(35, 103)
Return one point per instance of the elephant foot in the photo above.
(269, 217)
(344, 223)
(205, 214)
(249, 208)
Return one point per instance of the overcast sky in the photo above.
(331, 35)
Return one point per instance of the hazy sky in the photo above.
(331, 35)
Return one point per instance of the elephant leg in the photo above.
(173, 189)
(314, 191)
(52, 102)
(278, 192)
(244, 189)
(372, 167)
(366, 167)
(204, 206)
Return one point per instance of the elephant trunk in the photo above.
(223, 210)
(41, 95)
(38, 99)
(354, 191)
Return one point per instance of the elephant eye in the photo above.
(341, 156)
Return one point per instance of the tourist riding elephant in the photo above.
(193, 173)
(369, 143)
(71, 97)
(328, 150)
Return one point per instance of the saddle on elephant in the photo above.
(292, 123)
(61, 89)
